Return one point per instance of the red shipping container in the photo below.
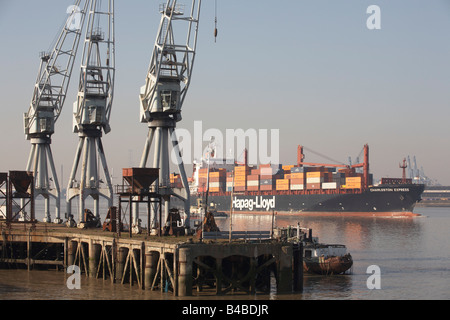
(313, 186)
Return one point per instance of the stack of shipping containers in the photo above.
(175, 181)
(276, 178)
(253, 180)
(202, 179)
(267, 177)
(298, 178)
(217, 180)
(240, 178)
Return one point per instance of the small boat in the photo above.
(318, 258)
(198, 211)
(326, 259)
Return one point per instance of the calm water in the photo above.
(412, 253)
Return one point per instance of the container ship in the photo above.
(303, 188)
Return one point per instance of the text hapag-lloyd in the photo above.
(257, 203)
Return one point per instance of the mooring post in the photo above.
(185, 272)
(71, 252)
(29, 245)
(121, 258)
(151, 264)
(219, 276)
(285, 269)
(94, 256)
(298, 268)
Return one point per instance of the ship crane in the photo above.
(47, 102)
(162, 96)
(92, 109)
(364, 165)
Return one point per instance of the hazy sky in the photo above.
(311, 69)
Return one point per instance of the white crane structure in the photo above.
(162, 97)
(92, 109)
(47, 102)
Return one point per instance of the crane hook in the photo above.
(215, 22)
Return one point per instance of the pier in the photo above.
(166, 259)
(183, 266)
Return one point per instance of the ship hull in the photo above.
(328, 266)
(388, 200)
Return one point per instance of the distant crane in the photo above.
(46, 104)
(92, 110)
(168, 79)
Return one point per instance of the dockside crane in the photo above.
(48, 98)
(162, 96)
(92, 110)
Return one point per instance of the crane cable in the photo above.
(323, 156)
(215, 22)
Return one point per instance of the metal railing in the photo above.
(245, 235)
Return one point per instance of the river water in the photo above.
(413, 255)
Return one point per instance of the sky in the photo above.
(310, 69)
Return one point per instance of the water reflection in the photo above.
(411, 252)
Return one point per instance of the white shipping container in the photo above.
(329, 185)
(266, 171)
(315, 180)
(252, 183)
(215, 185)
(297, 187)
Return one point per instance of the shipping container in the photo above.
(287, 168)
(252, 183)
(314, 174)
(329, 185)
(216, 185)
(313, 186)
(353, 180)
(240, 183)
(266, 182)
(297, 175)
(297, 187)
(298, 170)
(315, 180)
(240, 178)
(282, 187)
(268, 187)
